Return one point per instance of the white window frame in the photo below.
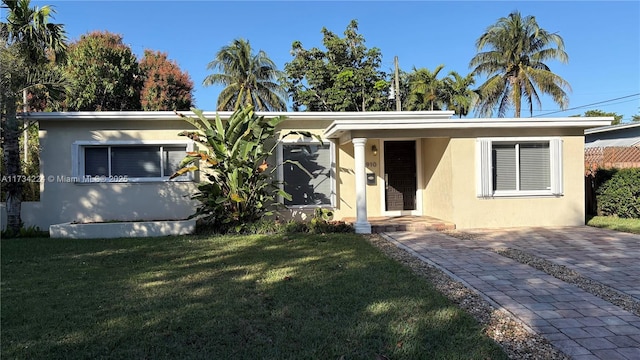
(484, 167)
(78, 170)
(332, 162)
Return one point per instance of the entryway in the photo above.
(400, 176)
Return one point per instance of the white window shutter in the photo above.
(556, 166)
(484, 171)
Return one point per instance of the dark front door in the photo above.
(400, 175)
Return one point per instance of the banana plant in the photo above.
(238, 186)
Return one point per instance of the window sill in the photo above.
(323, 206)
(124, 180)
(522, 194)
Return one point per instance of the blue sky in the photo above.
(601, 38)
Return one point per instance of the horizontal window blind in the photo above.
(505, 176)
(96, 161)
(135, 162)
(534, 164)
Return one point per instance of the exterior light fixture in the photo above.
(374, 150)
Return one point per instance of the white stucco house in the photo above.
(103, 166)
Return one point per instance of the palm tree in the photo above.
(425, 89)
(248, 79)
(28, 39)
(460, 97)
(514, 64)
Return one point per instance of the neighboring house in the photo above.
(616, 146)
(472, 172)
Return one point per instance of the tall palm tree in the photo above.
(460, 97)
(425, 89)
(27, 39)
(514, 63)
(248, 79)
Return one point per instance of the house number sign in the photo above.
(371, 164)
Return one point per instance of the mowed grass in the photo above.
(231, 297)
(615, 223)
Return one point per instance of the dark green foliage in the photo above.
(620, 195)
(345, 77)
(104, 74)
(25, 232)
(239, 186)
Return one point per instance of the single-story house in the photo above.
(491, 172)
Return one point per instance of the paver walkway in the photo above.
(578, 323)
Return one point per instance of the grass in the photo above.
(231, 297)
(615, 223)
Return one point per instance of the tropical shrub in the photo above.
(620, 195)
(238, 188)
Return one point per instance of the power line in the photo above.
(584, 106)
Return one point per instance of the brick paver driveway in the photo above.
(578, 323)
(609, 257)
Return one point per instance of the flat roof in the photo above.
(344, 122)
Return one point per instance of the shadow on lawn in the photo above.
(228, 297)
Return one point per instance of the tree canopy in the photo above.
(165, 86)
(103, 74)
(249, 79)
(426, 91)
(516, 48)
(344, 77)
(617, 118)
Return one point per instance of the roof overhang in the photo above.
(343, 129)
(290, 115)
(611, 128)
(345, 124)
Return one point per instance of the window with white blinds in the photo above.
(514, 167)
(306, 173)
(135, 162)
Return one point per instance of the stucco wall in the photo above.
(437, 175)
(64, 200)
(469, 211)
(345, 181)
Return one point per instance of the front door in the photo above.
(400, 175)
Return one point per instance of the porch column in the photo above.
(362, 224)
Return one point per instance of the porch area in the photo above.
(406, 223)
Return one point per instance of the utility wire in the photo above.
(584, 106)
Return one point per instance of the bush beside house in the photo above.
(619, 192)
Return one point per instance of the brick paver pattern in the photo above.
(576, 322)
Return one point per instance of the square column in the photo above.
(362, 224)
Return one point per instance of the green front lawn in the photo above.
(232, 297)
(615, 223)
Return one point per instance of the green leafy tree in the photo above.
(345, 77)
(459, 95)
(165, 86)
(426, 91)
(599, 113)
(239, 188)
(28, 40)
(635, 118)
(516, 48)
(249, 79)
(104, 74)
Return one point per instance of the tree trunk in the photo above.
(13, 169)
